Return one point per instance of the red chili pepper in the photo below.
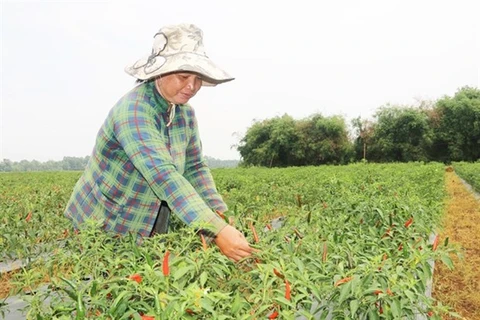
(378, 292)
(220, 214)
(204, 242)
(29, 217)
(387, 233)
(299, 200)
(166, 268)
(287, 290)
(409, 222)
(148, 318)
(435, 243)
(136, 277)
(341, 281)
(299, 235)
(325, 252)
(389, 292)
(269, 226)
(255, 235)
(273, 315)
(278, 273)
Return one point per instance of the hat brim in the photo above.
(148, 68)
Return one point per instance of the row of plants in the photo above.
(470, 172)
(31, 206)
(356, 242)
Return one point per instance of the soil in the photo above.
(5, 285)
(460, 288)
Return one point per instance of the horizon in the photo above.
(80, 157)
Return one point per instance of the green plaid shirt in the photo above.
(138, 161)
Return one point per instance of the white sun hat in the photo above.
(178, 48)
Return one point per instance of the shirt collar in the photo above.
(159, 102)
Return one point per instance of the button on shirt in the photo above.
(138, 161)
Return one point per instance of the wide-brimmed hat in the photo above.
(178, 48)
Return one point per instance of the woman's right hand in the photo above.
(232, 243)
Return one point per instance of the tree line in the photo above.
(445, 130)
(66, 164)
(79, 163)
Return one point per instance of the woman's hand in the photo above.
(233, 244)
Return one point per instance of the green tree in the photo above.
(457, 130)
(283, 141)
(364, 132)
(6, 165)
(401, 134)
(269, 142)
(324, 140)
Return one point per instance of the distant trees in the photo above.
(68, 163)
(457, 126)
(364, 132)
(218, 163)
(400, 134)
(283, 141)
(446, 130)
(79, 163)
(270, 142)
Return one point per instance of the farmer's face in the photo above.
(180, 87)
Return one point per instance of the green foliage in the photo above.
(457, 133)
(401, 134)
(344, 243)
(444, 131)
(283, 141)
(470, 172)
(270, 143)
(364, 133)
(79, 163)
(218, 163)
(66, 164)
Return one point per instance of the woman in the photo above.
(147, 156)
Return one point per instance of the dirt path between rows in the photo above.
(460, 288)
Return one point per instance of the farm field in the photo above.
(355, 242)
(470, 172)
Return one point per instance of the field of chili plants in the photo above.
(470, 172)
(335, 242)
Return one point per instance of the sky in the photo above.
(62, 63)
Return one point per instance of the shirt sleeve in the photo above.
(198, 173)
(138, 133)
